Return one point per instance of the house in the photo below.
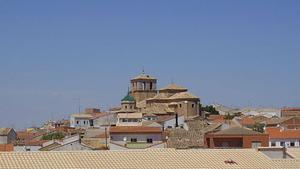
(129, 119)
(290, 112)
(72, 143)
(172, 121)
(280, 137)
(92, 118)
(154, 158)
(135, 137)
(236, 137)
(28, 141)
(7, 135)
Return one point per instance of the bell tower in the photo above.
(143, 87)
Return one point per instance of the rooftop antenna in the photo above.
(78, 99)
(143, 71)
(172, 80)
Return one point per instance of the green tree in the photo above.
(258, 127)
(210, 109)
(53, 136)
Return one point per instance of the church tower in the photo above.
(143, 87)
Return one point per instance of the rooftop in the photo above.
(135, 129)
(175, 87)
(4, 131)
(278, 133)
(183, 95)
(237, 131)
(128, 98)
(151, 158)
(143, 76)
(291, 109)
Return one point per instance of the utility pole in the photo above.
(106, 138)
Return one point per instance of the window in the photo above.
(133, 140)
(193, 105)
(77, 122)
(282, 143)
(149, 140)
(180, 105)
(151, 85)
(225, 144)
(292, 144)
(169, 127)
(125, 107)
(256, 144)
(83, 122)
(273, 144)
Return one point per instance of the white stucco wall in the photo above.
(3, 139)
(172, 122)
(82, 122)
(29, 148)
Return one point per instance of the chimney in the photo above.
(284, 152)
(176, 120)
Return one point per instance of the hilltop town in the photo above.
(162, 119)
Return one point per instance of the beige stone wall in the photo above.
(143, 95)
(188, 108)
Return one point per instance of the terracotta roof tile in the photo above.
(247, 121)
(237, 131)
(174, 87)
(151, 158)
(277, 133)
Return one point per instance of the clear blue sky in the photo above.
(233, 52)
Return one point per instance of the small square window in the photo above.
(292, 144)
(133, 140)
(149, 140)
(193, 105)
(282, 143)
(273, 144)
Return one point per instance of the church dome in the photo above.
(128, 98)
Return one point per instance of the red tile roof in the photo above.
(291, 109)
(6, 147)
(247, 121)
(216, 118)
(276, 132)
(135, 129)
